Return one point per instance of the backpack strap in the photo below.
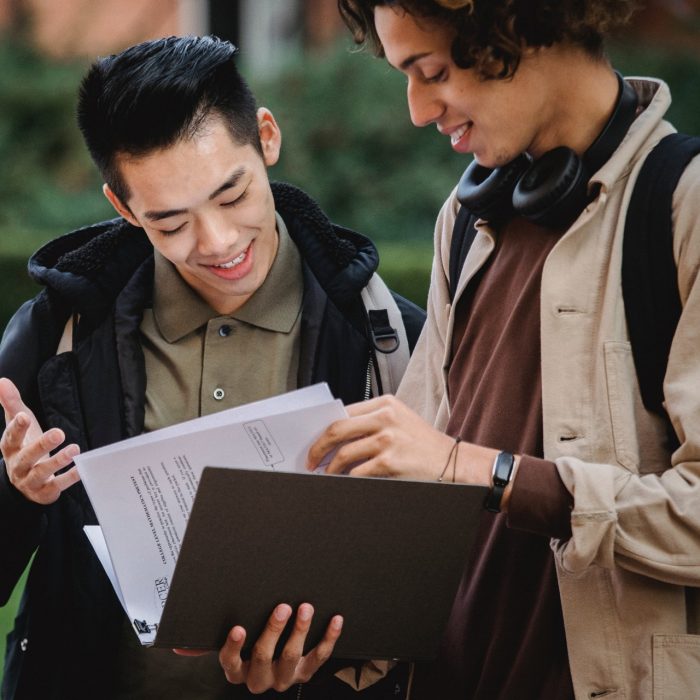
(388, 334)
(649, 275)
(463, 235)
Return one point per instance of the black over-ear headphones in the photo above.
(552, 190)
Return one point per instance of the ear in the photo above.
(270, 136)
(121, 208)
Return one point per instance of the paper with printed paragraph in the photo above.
(142, 489)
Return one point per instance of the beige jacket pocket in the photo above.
(638, 436)
(619, 374)
(676, 659)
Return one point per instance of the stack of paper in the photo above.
(142, 489)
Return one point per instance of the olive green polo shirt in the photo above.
(199, 362)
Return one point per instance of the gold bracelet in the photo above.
(453, 452)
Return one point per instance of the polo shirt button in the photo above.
(224, 331)
(219, 393)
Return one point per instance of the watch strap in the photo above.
(500, 476)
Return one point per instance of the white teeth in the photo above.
(232, 263)
(457, 135)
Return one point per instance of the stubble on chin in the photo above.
(502, 158)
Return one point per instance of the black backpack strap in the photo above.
(649, 275)
(463, 235)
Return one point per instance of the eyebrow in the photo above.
(231, 181)
(408, 62)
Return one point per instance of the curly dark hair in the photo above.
(490, 35)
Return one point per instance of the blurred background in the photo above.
(347, 138)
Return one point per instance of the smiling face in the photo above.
(206, 205)
(494, 119)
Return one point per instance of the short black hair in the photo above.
(156, 93)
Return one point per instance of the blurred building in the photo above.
(266, 31)
(673, 24)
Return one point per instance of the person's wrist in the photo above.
(505, 501)
(502, 473)
(451, 459)
(474, 463)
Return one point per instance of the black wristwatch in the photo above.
(500, 475)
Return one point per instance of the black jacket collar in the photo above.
(89, 267)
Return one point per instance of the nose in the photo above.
(215, 237)
(424, 106)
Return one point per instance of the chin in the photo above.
(494, 160)
(485, 160)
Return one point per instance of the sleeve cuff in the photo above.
(539, 502)
(13, 504)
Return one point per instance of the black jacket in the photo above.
(66, 630)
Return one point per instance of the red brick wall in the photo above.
(90, 27)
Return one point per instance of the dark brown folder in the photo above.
(386, 554)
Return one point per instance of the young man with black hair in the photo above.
(588, 582)
(214, 288)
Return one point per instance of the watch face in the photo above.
(502, 468)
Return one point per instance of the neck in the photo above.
(582, 94)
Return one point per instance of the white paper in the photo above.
(97, 540)
(314, 395)
(142, 489)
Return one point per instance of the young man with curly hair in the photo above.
(585, 581)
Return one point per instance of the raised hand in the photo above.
(26, 451)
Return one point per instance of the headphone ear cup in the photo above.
(554, 190)
(488, 192)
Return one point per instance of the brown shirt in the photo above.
(505, 638)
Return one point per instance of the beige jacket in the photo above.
(630, 574)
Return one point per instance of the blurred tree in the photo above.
(348, 140)
(47, 182)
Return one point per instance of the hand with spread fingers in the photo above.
(262, 671)
(26, 450)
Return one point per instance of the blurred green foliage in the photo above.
(347, 140)
(7, 616)
(47, 183)
(680, 70)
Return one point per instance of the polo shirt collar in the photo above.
(178, 310)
